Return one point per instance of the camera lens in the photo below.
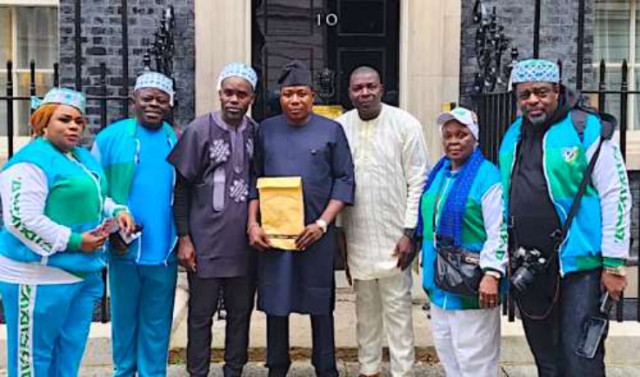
(522, 279)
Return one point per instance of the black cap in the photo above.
(295, 74)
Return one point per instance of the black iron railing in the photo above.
(496, 111)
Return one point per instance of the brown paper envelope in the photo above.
(281, 210)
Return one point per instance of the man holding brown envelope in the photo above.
(303, 177)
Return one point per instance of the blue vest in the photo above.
(75, 199)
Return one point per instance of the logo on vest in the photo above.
(570, 154)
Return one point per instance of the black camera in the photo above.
(527, 264)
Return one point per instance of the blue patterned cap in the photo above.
(535, 70)
(238, 70)
(155, 80)
(62, 96)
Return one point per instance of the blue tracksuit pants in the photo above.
(141, 315)
(48, 325)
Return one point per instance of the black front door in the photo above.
(332, 37)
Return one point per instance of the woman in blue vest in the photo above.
(51, 248)
(461, 209)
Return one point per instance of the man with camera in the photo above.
(563, 256)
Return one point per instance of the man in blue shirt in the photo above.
(142, 275)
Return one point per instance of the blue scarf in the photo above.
(454, 208)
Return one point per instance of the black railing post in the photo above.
(490, 126)
(125, 56)
(32, 80)
(500, 105)
(78, 43)
(536, 31)
(620, 308)
(103, 94)
(624, 88)
(494, 125)
(580, 54)
(559, 62)
(9, 108)
(602, 87)
(104, 308)
(56, 74)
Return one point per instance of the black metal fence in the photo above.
(496, 111)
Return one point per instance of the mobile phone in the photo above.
(606, 303)
(593, 331)
(130, 238)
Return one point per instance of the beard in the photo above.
(537, 120)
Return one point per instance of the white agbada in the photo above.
(390, 158)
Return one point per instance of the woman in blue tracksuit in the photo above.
(51, 248)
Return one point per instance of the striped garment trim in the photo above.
(26, 304)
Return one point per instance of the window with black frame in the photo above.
(616, 38)
(26, 33)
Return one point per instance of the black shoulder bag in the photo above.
(456, 270)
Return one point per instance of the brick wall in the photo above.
(558, 35)
(102, 43)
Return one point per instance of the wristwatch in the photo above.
(323, 225)
(617, 271)
(410, 233)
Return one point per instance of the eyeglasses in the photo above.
(540, 93)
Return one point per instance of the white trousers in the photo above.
(467, 341)
(385, 300)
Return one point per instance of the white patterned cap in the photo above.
(535, 70)
(155, 80)
(61, 96)
(240, 70)
(463, 116)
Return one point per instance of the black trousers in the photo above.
(238, 294)
(553, 340)
(323, 355)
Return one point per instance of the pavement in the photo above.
(516, 360)
(300, 326)
(304, 369)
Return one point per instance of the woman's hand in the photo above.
(92, 242)
(125, 222)
(488, 292)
